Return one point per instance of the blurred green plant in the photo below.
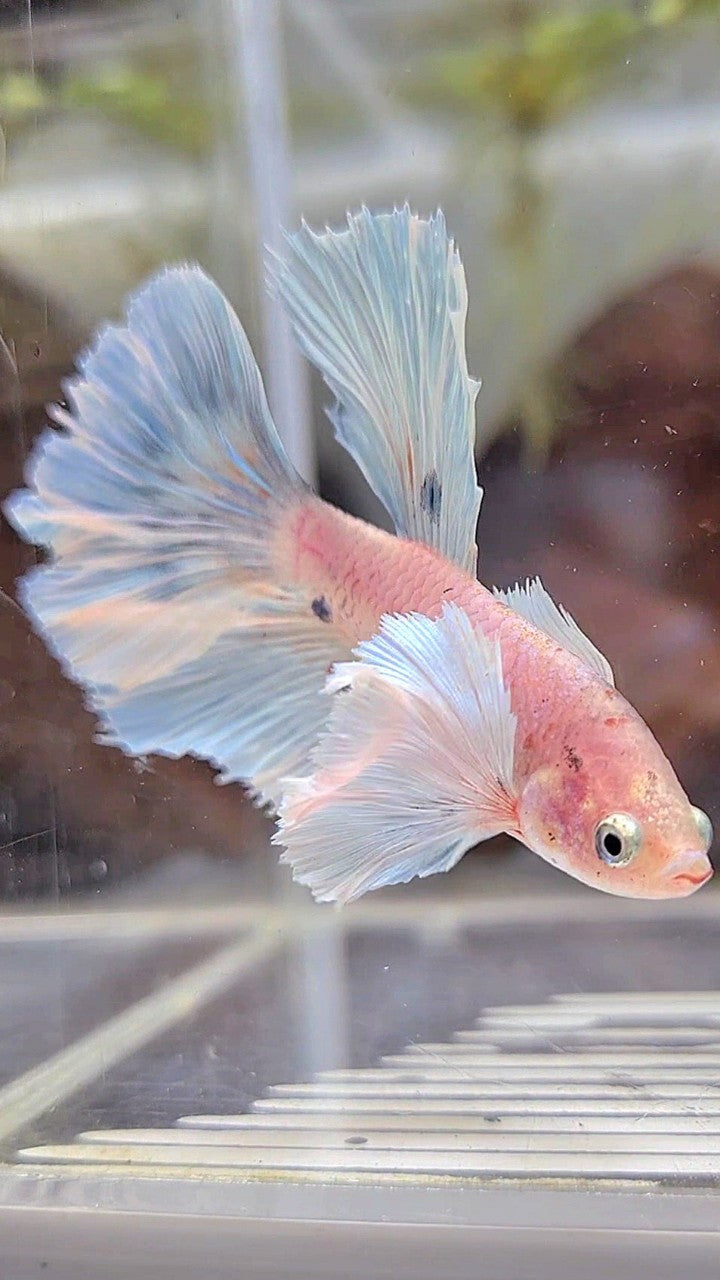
(540, 66)
(525, 74)
(20, 95)
(144, 99)
(158, 104)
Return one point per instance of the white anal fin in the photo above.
(380, 309)
(416, 764)
(533, 602)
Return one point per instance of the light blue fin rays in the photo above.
(536, 605)
(253, 705)
(156, 502)
(416, 764)
(380, 309)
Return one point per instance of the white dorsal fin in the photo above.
(416, 764)
(533, 602)
(380, 310)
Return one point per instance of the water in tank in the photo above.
(497, 1069)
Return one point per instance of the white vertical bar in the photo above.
(259, 90)
(319, 985)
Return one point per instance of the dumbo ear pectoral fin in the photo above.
(415, 767)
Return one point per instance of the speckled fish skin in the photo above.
(582, 750)
(393, 710)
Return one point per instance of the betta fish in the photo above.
(390, 708)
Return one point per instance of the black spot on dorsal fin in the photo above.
(431, 496)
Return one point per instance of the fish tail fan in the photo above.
(158, 500)
(380, 309)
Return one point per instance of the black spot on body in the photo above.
(321, 609)
(574, 761)
(431, 496)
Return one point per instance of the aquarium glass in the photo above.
(198, 1063)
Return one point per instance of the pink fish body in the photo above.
(393, 709)
(578, 741)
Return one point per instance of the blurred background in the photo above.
(574, 146)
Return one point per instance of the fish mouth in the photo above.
(690, 870)
(685, 878)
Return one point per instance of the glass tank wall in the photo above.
(197, 1062)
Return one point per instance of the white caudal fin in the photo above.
(380, 309)
(536, 605)
(416, 763)
(156, 500)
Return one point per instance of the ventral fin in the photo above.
(380, 309)
(415, 766)
(536, 605)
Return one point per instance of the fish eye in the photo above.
(618, 839)
(704, 826)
